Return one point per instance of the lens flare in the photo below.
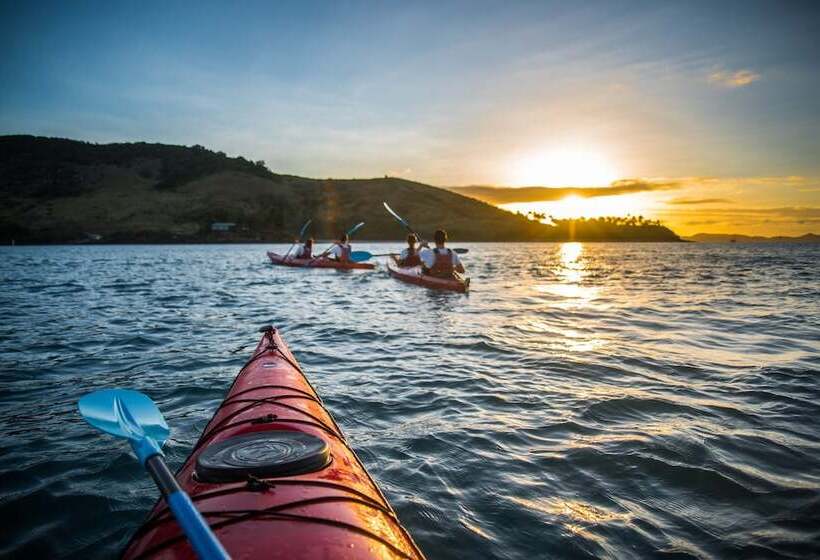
(564, 168)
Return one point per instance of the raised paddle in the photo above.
(402, 221)
(409, 228)
(135, 417)
(301, 236)
(349, 233)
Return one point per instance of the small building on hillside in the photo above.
(222, 226)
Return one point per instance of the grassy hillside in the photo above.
(57, 190)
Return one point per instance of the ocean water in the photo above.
(583, 401)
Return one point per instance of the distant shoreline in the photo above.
(394, 241)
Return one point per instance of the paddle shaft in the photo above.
(366, 255)
(162, 475)
(349, 232)
(301, 235)
(290, 249)
(199, 534)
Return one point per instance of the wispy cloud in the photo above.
(737, 79)
(796, 212)
(507, 195)
(760, 181)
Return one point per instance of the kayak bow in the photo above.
(275, 478)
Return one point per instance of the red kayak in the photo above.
(276, 258)
(275, 478)
(413, 275)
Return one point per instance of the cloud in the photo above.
(761, 181)
(688, 201)
(794, 212)
(507, 195)
(737, 79)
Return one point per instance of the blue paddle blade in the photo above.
(126, 414)
(304, 229)
(360, 256)
(355, 228)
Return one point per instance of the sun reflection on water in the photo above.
(570, 252)
(566, 289)
(569, 271)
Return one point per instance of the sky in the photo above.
(721, 100)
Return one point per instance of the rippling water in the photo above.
(595, 400)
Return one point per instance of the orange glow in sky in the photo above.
(573, 206)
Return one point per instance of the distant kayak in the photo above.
(280, 260)
(275, 478)
(413, 275)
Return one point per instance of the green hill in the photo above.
(58, 190)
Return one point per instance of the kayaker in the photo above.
(409, 256)
(341, 250)
(440, 262)
(306, 250)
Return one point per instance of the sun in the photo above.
(563, 168)
(574, 206)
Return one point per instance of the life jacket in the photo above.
(412, 258)
(345, 256)
(443, 266)
(305, 253)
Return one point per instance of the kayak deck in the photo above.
(323, 262)
(334, 511)
(413, 275)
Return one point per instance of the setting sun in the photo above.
(564, 168)
(574, 206)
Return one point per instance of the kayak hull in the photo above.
(336, 511)
(280, 260)
(413, 275)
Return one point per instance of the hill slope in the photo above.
(58, 190)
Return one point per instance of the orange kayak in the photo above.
(413, 275)
(278, 259)
(275, 478)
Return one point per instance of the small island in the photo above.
(66, 191)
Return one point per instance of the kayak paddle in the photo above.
(354, 229)
(301, 236)
(361, 256)
(135, 417)
(402, 221)
(349, 233)
(409, 228)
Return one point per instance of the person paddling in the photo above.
(409, 256)
(305, 251)
(440, 262)
(341, 250)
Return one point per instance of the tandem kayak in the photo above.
(413, 275)
(274, 477)
(276, 258)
